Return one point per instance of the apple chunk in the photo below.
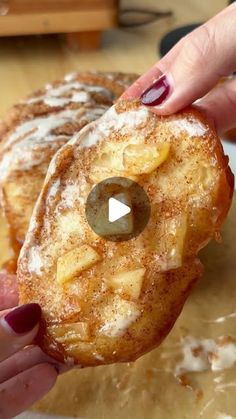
(75, 261)
(140, 159)
(69, 333)
(174, 230)
(117, 316)
(129, 282)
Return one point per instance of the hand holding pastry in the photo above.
(190, 71)
(25, 373)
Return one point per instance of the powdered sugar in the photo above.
(193, 127)
(35, 263)
(111, 120)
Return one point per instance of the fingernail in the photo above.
(157, 93)
(23, 318)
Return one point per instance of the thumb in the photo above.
(18, 328)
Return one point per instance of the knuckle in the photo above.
(199, 46)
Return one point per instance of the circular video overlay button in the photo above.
(117, 209)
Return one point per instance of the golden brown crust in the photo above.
(37, 127)
(86, 320)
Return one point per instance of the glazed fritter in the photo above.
(106, 301)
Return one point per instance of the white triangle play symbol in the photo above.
(116, 209)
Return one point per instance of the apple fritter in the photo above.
(37, 127)
(106, 301)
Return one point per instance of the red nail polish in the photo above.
(156, 93)
(24, 318)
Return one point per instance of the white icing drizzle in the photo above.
(193, 127)
(224, 386)
(30, 137)
(219, 378)
(118, 317)
(225, 357)
(48, 86)
(222, 415)
(38, 128)
(70, 92)
(65, 88)
(218, 415)
(54, 101)
(29, 140)
(79, 97)
(206, 354)
(98, 356)
(206, 406)
(117, 327)
(222, 319)
(70, 76)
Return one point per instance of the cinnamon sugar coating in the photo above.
(104, 301)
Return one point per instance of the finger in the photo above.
(25, 359)
(220, 105)
(230, 135)
(204, 56)
(8, 291)
(21, 361)
(20, 392)
(148, 78)
(18, 328)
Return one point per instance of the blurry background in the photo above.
(30, 61)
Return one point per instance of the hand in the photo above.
(191, 69)
(26, 373)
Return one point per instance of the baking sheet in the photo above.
(230, 150)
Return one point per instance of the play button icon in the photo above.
(117, 209)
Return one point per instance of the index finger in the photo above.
(18, 328)
(8, 291)
(194, 66)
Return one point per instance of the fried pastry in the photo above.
(37, 127)
(107, 301)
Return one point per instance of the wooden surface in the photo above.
(29, 6)
(29, 62)
(55, 22)
(23, 17)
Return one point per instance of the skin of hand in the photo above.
(191, 70)
(26, 373)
